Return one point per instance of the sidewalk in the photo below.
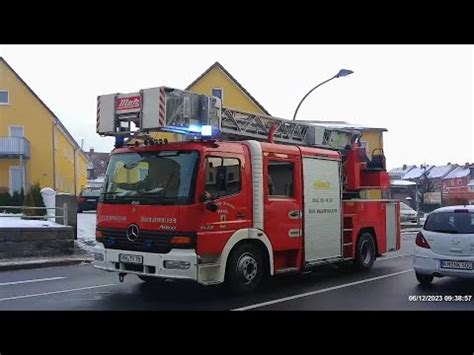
(80, 255)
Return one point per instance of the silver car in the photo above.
(407, 214)
(445, 244)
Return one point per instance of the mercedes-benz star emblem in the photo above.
(132, 232)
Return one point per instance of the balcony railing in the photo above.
(14, 147)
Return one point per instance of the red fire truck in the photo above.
(241, 197)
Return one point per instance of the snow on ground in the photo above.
(15, 221)
(86, 229)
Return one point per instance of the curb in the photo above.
(38, 263)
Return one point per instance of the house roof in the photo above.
(344, 125)
(402, 183)
(219, 66)
(459, 172)
(441, 171)
(416, 172)
(401, 170)
(59, 123)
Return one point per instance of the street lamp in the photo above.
(342, 72)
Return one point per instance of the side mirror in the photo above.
(207, 198)
(211, 206)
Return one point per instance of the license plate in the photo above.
(131, 259)
(461, 265)
(91, 200)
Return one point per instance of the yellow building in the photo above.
(217, 81)
(35, 147)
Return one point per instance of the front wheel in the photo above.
(365, 251)
(245, 269)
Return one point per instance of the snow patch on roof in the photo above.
(440, 171)
(400, 170)
(402, 183)
(416, 172)
(342, 125)
(457, 173)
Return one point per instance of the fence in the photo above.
(45, 217)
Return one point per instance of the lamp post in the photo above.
(342, 72)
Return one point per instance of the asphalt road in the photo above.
(387, 286)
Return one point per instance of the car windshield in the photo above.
(405, 207)
(456, 222)
(90, 193)
(164, 177)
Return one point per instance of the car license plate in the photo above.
(91, 200)
(461, 265)
(131, 259)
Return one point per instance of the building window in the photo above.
(17, 176)
(218, 92)
(222, 176)
(16, 131)
(280, 179)
(4, 97)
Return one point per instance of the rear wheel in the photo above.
(424, 279)
(245, 269)
(365, 251)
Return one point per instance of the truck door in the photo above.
(322, 209)
(282, 212)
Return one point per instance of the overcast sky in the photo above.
(422, 94)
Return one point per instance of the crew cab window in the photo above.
(222, 176)
(280, 179)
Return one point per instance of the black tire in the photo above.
(424, 279)
(150, 279)
(245, 269)
(365, 251)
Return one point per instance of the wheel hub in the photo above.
(247, 268)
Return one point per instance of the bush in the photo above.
(33, 198)
(17, 200)
(5, 200)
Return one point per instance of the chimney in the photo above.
(449, 163)
(466, 166)
(91, 150)
(404, 167)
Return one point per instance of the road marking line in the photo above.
(394, 257)
(33, 280)
(319, 291)
(54, 292)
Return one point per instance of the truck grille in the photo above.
(147, 241)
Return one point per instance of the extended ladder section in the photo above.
(191, 114)
(136, 114)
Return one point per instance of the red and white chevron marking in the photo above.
(162, 108)
(98, 114)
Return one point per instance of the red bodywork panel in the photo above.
(235, 212)
(213, 229)
(366, 214)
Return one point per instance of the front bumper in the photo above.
(427, 262)
(154, 264)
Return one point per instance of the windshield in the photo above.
(405, 207)
(451, 222)
(90, 193)
(164, 177)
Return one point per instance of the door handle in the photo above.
(294, 214)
